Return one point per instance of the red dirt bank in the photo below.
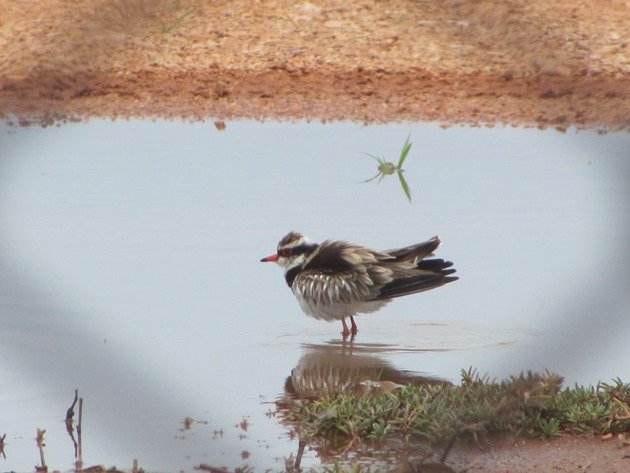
(517, 62)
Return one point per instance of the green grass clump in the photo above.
(529, 404)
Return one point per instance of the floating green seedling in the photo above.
(386, 168)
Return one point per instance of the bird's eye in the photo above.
(284, 252)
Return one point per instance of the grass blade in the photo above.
(404, 152)
(404, 185)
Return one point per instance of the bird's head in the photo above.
(293, 251)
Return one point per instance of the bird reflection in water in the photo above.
(341, 367)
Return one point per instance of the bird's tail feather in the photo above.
(403, 287)
(431, 273)
(417, 251)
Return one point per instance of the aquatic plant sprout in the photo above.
(386, 168)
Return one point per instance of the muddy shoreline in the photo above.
(361, 96)
(561, 454)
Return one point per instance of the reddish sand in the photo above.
(517, 62)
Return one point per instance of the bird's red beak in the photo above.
(270, 259)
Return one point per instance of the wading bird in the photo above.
(336, 280)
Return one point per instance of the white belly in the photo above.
(336, 310)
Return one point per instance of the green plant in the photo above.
(529, 404)
(549, 427)
(386, 168)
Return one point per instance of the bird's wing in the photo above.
(423, 281)
(415, 252)
(412, 273)
(421, 276)
(339, 256)
(342, 272)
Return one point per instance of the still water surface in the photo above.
(129, 269)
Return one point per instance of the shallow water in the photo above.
(129, 269)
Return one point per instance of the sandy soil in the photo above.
(518, 62)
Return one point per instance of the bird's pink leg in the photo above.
(354, 329)
(345, 331)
